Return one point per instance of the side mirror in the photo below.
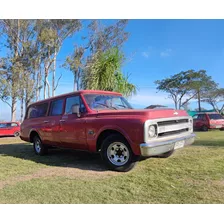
(76, 110)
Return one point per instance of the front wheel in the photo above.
(117, 154)
(204, 128)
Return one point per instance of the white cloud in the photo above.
(145, 54)
(166, 53)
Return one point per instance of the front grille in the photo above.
(163, 134)
(176, 126)
(170, 122)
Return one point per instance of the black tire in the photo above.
(39, 147)
(16, 134)
(117, 144)
(204, 128)
(166, 155)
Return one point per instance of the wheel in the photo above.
(204, 128)
(16, 134)
(117, 154)
(38, 146)
(166, 155)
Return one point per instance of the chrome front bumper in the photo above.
(158, 148)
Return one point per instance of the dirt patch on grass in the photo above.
(72, 173)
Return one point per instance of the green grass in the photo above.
(194, 174)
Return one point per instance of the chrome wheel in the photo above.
(37, 145)
(118, 153)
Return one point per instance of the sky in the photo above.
(157, 49)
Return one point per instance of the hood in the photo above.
(149, 113)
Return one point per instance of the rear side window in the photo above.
(215, 116)
(37, 111)
(56, 107)
(74, 100)
(14, 124)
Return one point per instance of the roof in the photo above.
(78, 92)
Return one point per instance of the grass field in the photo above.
(192, 175)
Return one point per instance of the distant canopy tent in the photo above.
(192, 113)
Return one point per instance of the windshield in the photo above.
(106, 102)
(215, 116)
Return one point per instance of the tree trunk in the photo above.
(54, 73)
(13, 109)
(21, 112)
(75, 84)
(199, 102)
(48, 87)
(45, 81)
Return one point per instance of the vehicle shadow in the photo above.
(55, 157)
(208, 143)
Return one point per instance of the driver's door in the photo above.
(72, 127)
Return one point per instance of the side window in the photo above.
(14, 124)
(71, 101)
(203, 117)
(37, 110)
(195, 117)
(2, 125)
(56, 107)
(200, 116)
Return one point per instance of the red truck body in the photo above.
(89, 128)
(9, 128)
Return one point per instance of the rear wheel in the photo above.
(117, 154)
(16, 134)
(38, 146)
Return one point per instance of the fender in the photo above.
(92, 141)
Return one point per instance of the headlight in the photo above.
(152, 131)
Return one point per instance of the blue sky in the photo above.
(157, 49)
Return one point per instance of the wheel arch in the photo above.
(107, 132)
(32, 134)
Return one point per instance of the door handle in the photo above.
(46, 122)
(62, 120)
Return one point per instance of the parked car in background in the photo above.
(208, 120)
(9, 129)
(104, 122)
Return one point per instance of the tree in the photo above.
(104, 73)
(12, 29)
(63, 29)
(177, 86)
(214, 96)
(200, 83)
(102, 38)
(75, 63)
(185, 86)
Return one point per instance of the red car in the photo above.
(9, 129)
(208, 120)
(104, 122)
